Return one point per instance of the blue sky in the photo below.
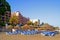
(48, 11)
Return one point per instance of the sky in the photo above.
(48, 11)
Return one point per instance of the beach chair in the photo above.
(19, 31)
(32, 31)
(53, 33)
(28, 32)
(15, 32)
(36, 31)
(9, 33)
(43, 34)
(23, 33)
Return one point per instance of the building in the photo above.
(35, 20)
(5, 12)
(6, 16)
(21, 18)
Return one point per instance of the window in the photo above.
(0, 3)
(3, 18)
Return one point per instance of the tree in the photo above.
(29, 22)
(4, 6)
(13, 20)
(42, 24)
(35, 23)
(56, 28)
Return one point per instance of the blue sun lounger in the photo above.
(8, 32)
(49, 33)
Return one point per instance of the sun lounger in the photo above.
(23, 33)
(8, 32)
(43, 34)
(49, 33)
(15, 32)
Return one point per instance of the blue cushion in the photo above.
(8, 32)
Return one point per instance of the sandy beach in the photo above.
(3, 36)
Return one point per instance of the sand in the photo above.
(3, 36)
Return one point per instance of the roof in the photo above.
(25, 26)
(47, 27)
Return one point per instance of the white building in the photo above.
(17, 13)
(35, 20)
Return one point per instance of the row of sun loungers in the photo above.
(27, 32)
(48, 33)
(22, 32)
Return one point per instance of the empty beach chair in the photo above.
(43, 34)
(8, 32)
(15, 32)
(28, 32)
(23, 33)
(52, 33)
(33, 32)
(19, 31)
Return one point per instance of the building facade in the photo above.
(35, 21)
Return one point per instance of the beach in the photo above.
(3, 36)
